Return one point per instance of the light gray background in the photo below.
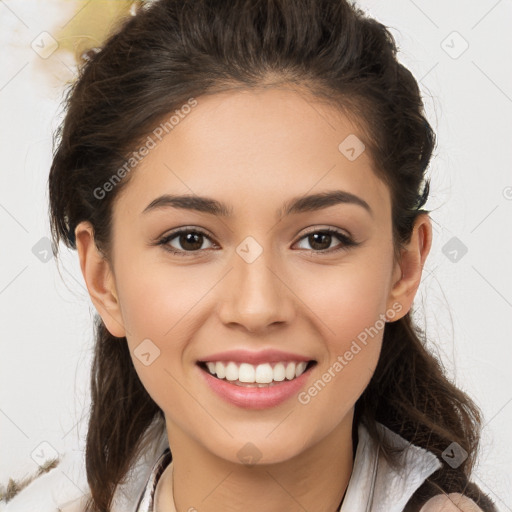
(465, 300)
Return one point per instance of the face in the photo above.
(272, 287)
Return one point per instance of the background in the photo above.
(459, 51)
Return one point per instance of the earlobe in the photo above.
(99, 279)
(408, 271)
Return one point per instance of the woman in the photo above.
(243, 182)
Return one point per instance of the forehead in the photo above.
(257, 148)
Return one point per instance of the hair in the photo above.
(175, 50)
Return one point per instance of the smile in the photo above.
(261, 375)
(282, 381)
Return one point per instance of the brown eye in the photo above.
(191, 241)
(321, 240)
(183, 241)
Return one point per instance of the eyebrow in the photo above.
(295, 205)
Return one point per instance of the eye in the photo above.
(190, 239)
(320, 240)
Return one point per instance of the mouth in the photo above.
(262, 375)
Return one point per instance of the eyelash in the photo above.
(347, 241)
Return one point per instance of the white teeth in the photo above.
(246, 373)
(261, 374)
(290, 371)
(220, 370)
(231, 371)
(300, 368)
(279, 372)
(264, 374)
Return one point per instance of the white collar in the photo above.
(375, 486)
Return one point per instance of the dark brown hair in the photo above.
(174, 50)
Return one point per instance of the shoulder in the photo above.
(453, 502)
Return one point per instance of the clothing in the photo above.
(374, 485)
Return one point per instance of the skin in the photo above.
(254, 150)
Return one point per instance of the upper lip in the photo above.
(251, 357)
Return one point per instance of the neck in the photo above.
(314, 480)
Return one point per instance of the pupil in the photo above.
(312, 240)
(189, 239)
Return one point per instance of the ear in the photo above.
(99, 279)
(408, 270)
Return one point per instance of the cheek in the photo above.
(349, 303)
(348, 300)
(351, 315)
(339, 384)
(149, 310)
(157, 300)
(161, 306)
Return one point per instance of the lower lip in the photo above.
(255, 398)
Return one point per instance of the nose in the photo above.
(255, 295)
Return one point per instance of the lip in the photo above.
(256, 398)
(263, 356)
